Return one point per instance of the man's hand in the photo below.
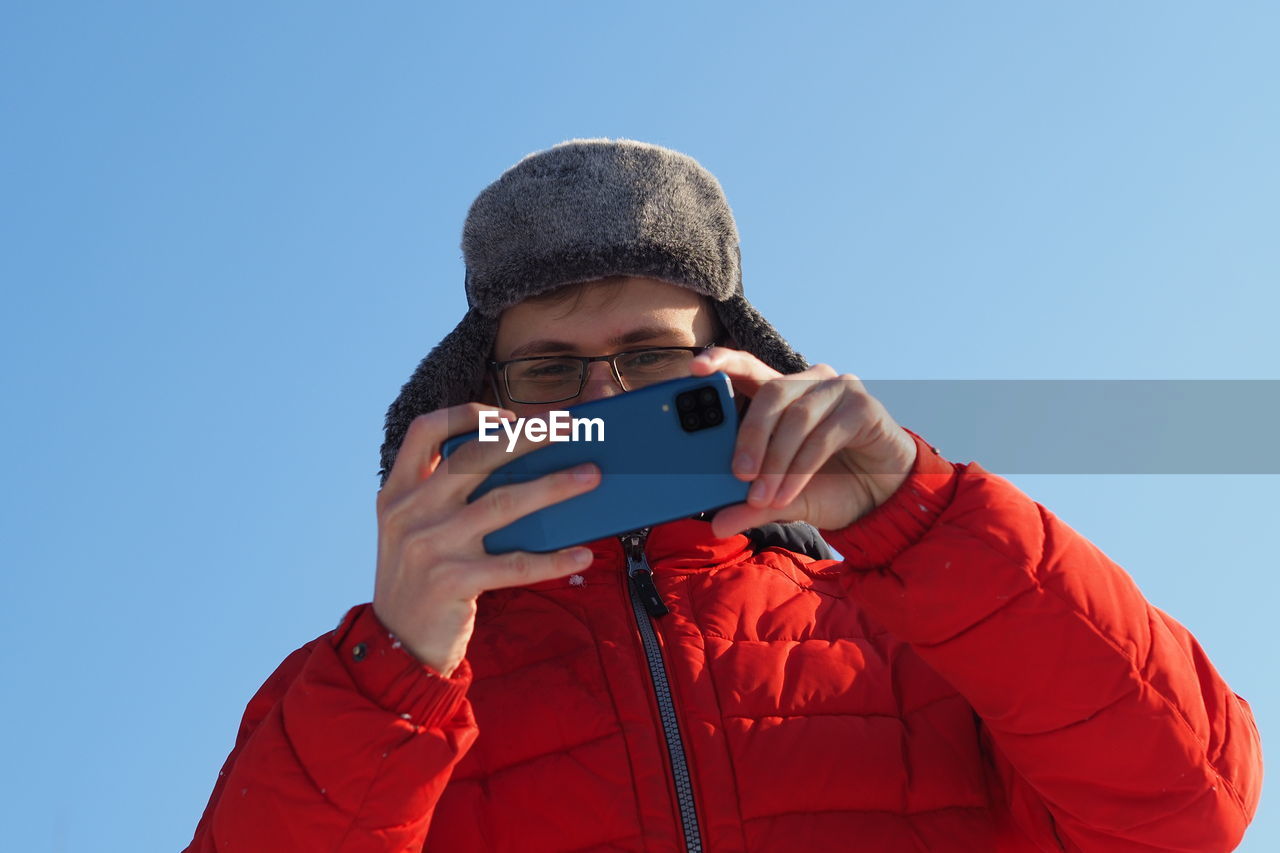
(818, 447)
(432, 565)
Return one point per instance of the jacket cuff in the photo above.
(877, 538)
(391, 677)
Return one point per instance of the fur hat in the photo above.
(583, 210)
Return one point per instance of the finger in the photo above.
(739, 517)
(746, 371)
(421, 515)
(419, 453)
(756, 433)
(807, 414)
(501, 506)
(472, 463)
(835, 432)
(444, 496)
(763, 449)
(521, 568)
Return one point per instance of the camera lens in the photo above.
(686, 402)
(691, 421)
(711, 416)
(707, 396)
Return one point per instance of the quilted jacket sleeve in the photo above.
(1105, 722)
(346, 747)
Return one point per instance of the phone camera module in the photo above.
(699, 409)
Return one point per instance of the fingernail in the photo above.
(584, 473)
(758, 492)
(744, 464)
(581, 556)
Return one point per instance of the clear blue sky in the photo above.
(231, 230)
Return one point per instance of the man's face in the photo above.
(641, 312)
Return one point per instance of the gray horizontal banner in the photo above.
(1007, 426)
(1184, 426)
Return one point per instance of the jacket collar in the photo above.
(682, 544)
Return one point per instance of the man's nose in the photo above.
(600, 383)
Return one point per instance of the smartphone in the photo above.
(664, 453)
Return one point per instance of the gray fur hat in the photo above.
(583, 210)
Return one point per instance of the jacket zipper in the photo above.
(646, 602)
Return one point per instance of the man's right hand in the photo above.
(432, 565)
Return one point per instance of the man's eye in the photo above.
(654, 360)
(550, 370)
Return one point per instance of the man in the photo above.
(973, 676)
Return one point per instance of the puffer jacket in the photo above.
(973, 676)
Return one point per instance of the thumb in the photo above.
(739, 517)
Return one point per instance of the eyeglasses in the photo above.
(553, 378)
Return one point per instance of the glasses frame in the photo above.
(499, 369)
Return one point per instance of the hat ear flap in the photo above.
(753, 333)
(451, 374)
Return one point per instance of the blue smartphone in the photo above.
(664, 453)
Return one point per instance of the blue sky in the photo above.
(232, 230)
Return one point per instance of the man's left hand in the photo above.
(818, 447)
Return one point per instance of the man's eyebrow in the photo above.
(544, 346)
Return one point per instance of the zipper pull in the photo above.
(640, 574)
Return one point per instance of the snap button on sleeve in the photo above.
(359, 650)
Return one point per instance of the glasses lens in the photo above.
(639, 369)
(544, 380)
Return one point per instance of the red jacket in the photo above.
(974, 676)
